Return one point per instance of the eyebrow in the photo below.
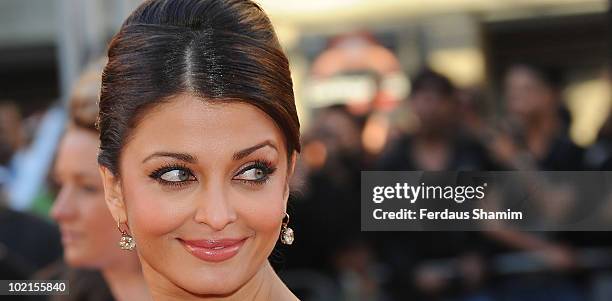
(179, 156)
(79, 175)
(191, 159)
(247, 151)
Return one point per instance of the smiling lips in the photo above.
(213, 250)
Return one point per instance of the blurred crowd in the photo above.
(432, 126)
(438, 127)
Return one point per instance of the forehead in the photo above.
(78, 149)
(190, 124)
(522, 74)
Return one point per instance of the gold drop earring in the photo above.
(127, 241)
(287, 236)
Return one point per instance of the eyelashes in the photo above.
(255, 173)
(173, 175)
(179, 175)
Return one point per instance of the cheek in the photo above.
(262, 211)
(152, 215)
(263, 219)
(149, 211)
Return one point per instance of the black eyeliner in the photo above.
(263, 165)
(156, 174)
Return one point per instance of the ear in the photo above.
(113, 194)
(290, 171)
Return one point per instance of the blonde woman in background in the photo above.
(89, 234)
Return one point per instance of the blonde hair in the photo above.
(83, 105)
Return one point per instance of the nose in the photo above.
(214, 208)
(63, 206)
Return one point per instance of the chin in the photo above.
(217, 289)
(73, 259)
(210, 285)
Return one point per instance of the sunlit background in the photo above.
(471, 41)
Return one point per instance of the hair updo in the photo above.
(217, 50)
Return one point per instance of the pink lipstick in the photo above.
(213, 250)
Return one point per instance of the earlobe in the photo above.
(113, 194)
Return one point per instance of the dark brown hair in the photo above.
(217, 50)
(430, 80)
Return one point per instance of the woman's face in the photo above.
(203, 188)
(89, 234)
(526, 95)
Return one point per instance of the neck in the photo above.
(263, 286)
(125, 280)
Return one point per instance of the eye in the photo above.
(175, 175)
(90, 188)
(255, 173)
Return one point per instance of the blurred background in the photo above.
(380, 85)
